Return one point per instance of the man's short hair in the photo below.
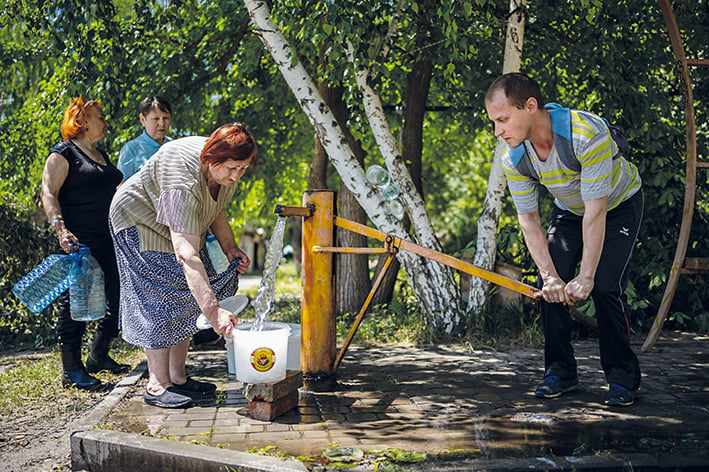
(517, 88)
(154, 102)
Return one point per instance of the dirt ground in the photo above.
(29, 442)
(36, 437)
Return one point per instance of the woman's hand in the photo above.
(235, 252)
(66, 238)
(225, 323)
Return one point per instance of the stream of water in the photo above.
(267, 288)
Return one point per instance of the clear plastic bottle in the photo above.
(377, 175)
(43, 284)
(390, 191)
(87, 296)
(219, 259)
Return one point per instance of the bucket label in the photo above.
(262, 359)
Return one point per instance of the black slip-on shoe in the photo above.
(193, 387)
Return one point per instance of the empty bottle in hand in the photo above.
(43, 284)
(219, 260)
(87, 296)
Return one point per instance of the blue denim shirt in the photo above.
(136, 152)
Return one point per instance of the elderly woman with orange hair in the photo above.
(159, 220)
(78, 184)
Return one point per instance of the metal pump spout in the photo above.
(285, 210)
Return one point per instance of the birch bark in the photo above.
(432, 282)
(490, 213)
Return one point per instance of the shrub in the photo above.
(25, 241)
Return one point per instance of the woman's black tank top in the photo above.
(85, 196)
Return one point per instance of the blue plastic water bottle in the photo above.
(43, 284)
(219, 260)
(87, 297)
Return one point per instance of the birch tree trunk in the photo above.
(352, 282)
(490, 213)
(432, 282)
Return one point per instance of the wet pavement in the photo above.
(451, 403)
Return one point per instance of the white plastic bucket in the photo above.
(293, 347)
(261, 356)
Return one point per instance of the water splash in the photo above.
(267, 288)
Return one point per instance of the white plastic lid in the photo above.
(234, 304)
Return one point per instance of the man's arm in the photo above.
(534, 236)
(594, 230)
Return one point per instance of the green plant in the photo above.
(398, 455)
(401, 322)
(33, 383)
(24, 242)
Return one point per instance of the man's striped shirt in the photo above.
(600, 176)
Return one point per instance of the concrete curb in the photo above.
(108, 451)
(100, 451)
(103, 409)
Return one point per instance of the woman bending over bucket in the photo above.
(159, 221)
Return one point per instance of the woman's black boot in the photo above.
(75, 374)
(99, 361)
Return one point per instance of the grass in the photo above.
(32, 382)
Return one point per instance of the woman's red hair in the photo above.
(75, 117)
(230, 142)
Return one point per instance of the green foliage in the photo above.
(612, 58)
(511, 248)
(24, 243)
(201, 57)
(401, 322)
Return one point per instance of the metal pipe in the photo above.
(284, 210)
(318, 323)
(351, 250)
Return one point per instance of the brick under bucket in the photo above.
(267, 401)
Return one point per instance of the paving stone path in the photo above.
(452, 400)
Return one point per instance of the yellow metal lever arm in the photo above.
(466, 267)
